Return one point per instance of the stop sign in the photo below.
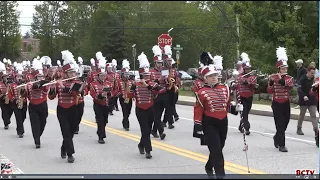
(164, 39)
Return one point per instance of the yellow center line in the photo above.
(182, 152)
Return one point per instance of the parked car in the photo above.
(136, 74)
(193, 72)
(185, 75)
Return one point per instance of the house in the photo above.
(30, 48)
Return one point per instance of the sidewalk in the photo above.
(257, 109)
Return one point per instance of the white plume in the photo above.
(46, 60)
(168, 51)
(80, 60)
(3, 68)
(24, 63)
(173, 62)
(114, 62)
(38, 57)
(157, 50)
(245, 59)
(15, 64)
(102, 64)
(9, 61)
(282, 54)
(201, 65)
(126, 64)
(5, 60)
(99, 55)
(143, 61)
(37, 65)
(217, 60)
(59, 63)
(92, 61)
(19, 68)
(67, 57)
(28, 63)
(210, 56)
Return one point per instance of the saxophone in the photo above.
(127, 89)
(20, 100)
(6, 97)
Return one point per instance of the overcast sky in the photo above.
(27, 9)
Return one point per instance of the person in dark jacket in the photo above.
(307, 101)
(300, 69)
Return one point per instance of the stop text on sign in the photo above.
(164, 39)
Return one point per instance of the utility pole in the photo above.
(238, 34)
(5, 27)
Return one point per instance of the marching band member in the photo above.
(116, 78)
(17, 97)
(111, 77)
(6, 109)
(279, 86)
(67, 92)
(210, 118)
(124, 85)
(161, 99)
(38, 107)
(205, 60)
(171, 88)
(245, 88)
(80, 97)
(176, 93)
(101, 92)
(142, 91)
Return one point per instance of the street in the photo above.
(179, 153)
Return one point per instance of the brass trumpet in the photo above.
(20, 100)
(6, 97)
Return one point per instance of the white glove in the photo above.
(233, 103)
(200, 132)
(239, 107)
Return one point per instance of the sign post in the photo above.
(163, 40)
(178, 55)
(134, 53)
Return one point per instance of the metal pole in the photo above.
(134, 57)
(238, 34)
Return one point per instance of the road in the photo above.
(179, 153)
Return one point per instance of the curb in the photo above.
(252, 111)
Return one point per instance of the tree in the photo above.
(10, 38)
(27, 35)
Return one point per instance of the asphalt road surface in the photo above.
(179, 153)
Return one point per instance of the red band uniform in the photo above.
(101, 92)
(6, 109)
(279, 86)
(112, 78)
(245, 89)
(67, 92)
(18, 99)
(38, 107)
(143, 93)
(210, 116)
(124, 85)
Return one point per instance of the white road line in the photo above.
(263, 133)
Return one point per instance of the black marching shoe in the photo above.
(154, 134)
(148, 155)
(70, 159)
(141, 150)
(20, 135)
(6, 127)
(248, 132)
(317, 140)
(176, 118)
(283, 149)
(101, 141)
(126, 129)
(209, 172)
(240, 129)
(77, 132)
(164, 124)
(162, 136)
(276, 145)
(63, 154)
(38, 146)
(299, 131)
(117, 109)
(111, 113)
(171, 126)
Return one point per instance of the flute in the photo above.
(53, 82)
(27, 83)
